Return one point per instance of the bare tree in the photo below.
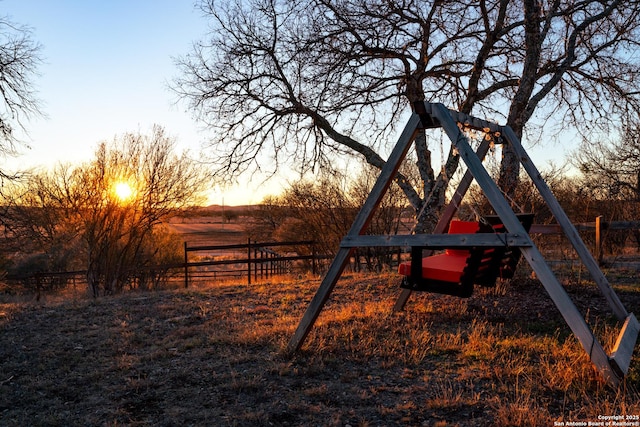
(19, 59)
(322, 211)
(301, 82)
(610, 181)
(112, 232)
(40, 231)
(266, 218)
(611, 170)
(318, 210)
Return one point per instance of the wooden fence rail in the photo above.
(598, 227)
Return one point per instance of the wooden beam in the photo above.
(545, 229)
(621, 225)
(437, 241)
(626, 342)
(567, 308)
(465, 120)
(358, 227)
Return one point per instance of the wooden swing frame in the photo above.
(613, 367)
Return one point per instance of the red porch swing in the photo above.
(455, 271)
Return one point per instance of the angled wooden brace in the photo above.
(359, 226)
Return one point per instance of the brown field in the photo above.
(208, 228)
(215, 356)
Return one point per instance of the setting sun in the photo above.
(123, 191)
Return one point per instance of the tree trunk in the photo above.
(509, 170)
(510, 165)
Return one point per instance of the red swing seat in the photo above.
(456, 270)
(449, 266)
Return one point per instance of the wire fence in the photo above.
(253, 260)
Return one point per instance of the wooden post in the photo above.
(261, 264)
(313, 258)
(255, 263)
(186, 267)
(249, 261)
(598, 250)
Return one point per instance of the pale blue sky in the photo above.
(106, 70)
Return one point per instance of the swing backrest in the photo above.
(461, 227)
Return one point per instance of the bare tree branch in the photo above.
(300, 82)
(19, 59)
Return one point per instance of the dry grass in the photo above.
(215, 356)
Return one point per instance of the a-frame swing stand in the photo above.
(613, 367)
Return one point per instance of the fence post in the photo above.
(255, 263)
(272, 271)
(249, 261)
(599, 239)
(186, 267)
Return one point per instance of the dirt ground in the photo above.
(215, 357)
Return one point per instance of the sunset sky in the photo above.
(107, 67)
(106, 70)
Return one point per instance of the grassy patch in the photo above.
(215, 356)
